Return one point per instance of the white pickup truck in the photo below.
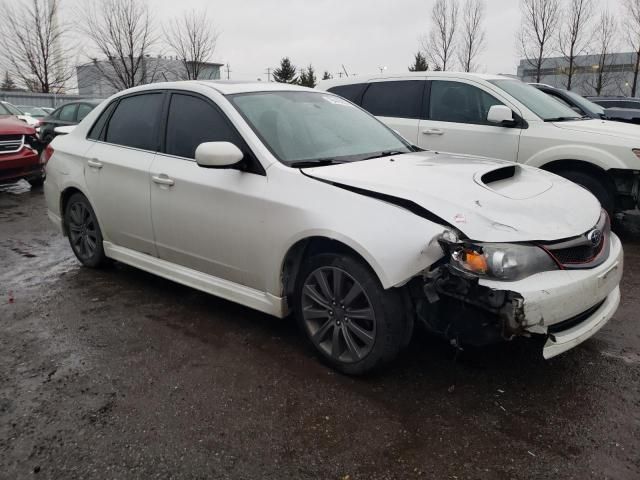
(501, 117)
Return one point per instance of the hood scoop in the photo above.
(514, 182)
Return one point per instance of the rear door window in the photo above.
(352, 92)
(134, 122)
(83, 111)
(68, 113)
(399, 99)
(460, 103)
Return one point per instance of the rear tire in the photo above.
(350, 320)
(36, 182)
(596, 186)
(85, 236)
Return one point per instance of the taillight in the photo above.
(46, 154)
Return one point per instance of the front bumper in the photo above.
(565, 306)
(23, 164)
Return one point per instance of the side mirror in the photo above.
(501, 115)
(64, 130)
(218, 155)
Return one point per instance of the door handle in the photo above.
(433, 131)
(94, 163)
(162, 179)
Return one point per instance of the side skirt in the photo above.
(249, 297)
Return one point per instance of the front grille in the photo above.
(10, 143)
(578, 254)
(582, 252)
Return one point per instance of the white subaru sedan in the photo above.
(286, 199)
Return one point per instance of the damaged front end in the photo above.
(456, 306)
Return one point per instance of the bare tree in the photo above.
(573, 36)
(604, 34)
(472, 36)
(540, 20)
(192, 38)
(440, 43)
(632, 31)
(122, 31)
(32, 40)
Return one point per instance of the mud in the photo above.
(119, 374)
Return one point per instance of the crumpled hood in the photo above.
(10, 125)
(488, 200)
(604, 127)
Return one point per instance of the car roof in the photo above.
(390, 76)
(225, 87)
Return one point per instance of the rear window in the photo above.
(352, 92)
(134, 122)
(400, 99)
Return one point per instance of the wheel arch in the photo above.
(557, 166)
(65, 195)
(313, 245)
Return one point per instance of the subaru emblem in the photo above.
(594, 236)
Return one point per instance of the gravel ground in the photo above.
(120, 374)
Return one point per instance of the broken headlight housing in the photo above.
(501, 261)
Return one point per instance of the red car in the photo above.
(19, 156)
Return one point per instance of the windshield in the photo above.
(13, 110)
(544, 106)
(314, 127)
(584, 104)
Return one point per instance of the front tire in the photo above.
(348, 317)
(596, 186)
(85, 236)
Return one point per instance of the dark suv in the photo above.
(70, 113)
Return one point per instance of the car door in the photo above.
(207, 219)
(398, 103)
(126, 139)
(456, 121)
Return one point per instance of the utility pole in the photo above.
(228, 69)
(268, 72)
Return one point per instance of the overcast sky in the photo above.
(361, 34)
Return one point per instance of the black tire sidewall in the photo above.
(98, 258)
(388, 309)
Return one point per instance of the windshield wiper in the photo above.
(386, 153)
(562, 119)
(320, 162)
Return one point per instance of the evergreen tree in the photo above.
(8, 83)
(308, 77)
(419, 63)
(286, 73)
(327, 76)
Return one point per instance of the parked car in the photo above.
(623, 109)
(70, 113)
(284, 198)
(34, 112)
(28, 119)
(504, 118)
(19, 158)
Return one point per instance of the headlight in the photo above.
(502, 261)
